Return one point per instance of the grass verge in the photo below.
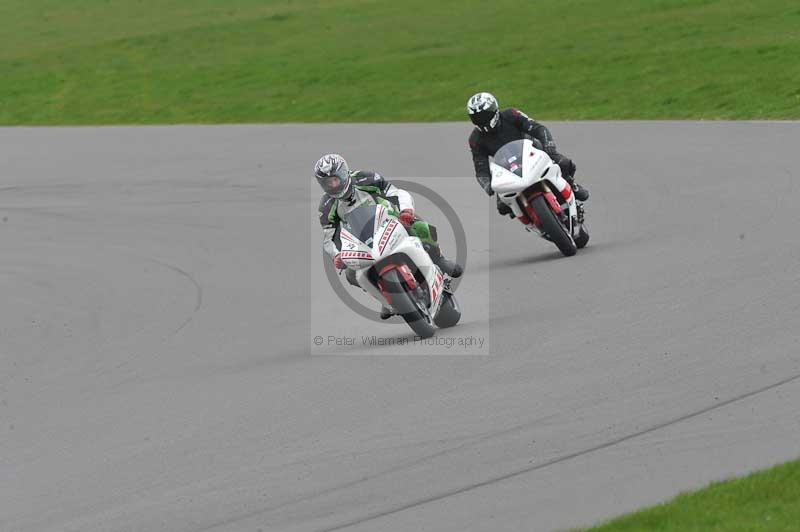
(223, 61)
(767, 501)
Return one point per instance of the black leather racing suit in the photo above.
(514, 125)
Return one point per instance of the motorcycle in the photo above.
(394, 268)
(527, 180)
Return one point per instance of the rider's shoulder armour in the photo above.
(369, 181)
(513, 112)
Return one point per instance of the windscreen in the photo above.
(361, 222)
(510, 157)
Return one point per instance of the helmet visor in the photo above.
(485, 120)
(334, 185)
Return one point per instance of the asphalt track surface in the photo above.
(157, 367)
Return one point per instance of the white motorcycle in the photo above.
(530, 183)
(394, 268)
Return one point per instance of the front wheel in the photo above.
(552, 227)
(413, 312)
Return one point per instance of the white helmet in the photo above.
(333, 175)
(484, 111)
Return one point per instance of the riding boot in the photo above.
(568, 169)
(581, 193)
(447, 266)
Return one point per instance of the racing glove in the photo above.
(407, 217)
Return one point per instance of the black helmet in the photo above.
(484, 112)
(333, 175)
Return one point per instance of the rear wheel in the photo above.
(449, 313)
(413, 312)
(553, 228)
(583, 238)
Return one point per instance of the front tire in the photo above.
(550, 225)
(407, 306)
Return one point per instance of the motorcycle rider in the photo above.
(495, 128)
(346, 190)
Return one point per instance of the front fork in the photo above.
(572, 217)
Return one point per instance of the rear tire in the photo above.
(406, 305)
(449, 313)
(550, 225)
(583, 238)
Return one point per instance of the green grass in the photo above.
(168, 61)
(764, 501)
